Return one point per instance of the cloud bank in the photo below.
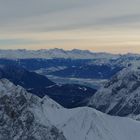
(92, 24)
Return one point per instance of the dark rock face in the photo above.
(18, 118)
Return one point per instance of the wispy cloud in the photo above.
(61, 23)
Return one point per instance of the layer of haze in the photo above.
(98, 25)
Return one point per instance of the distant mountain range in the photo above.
(97, 68)
(78, 63)
(53, 53)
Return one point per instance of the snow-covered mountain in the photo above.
(88, 124)
(53, 53)
(24, 116)
(124, 60)
(127, 60)
(121, 95)
(21, 116)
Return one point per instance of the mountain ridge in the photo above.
(120, 95)
(25, 116)
(53, 53)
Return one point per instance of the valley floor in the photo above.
(92, 83)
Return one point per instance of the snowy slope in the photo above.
(24, 116)
(88, 124)
(20, 116)
(121, 95)
(127, 60)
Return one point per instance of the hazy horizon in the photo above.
(99, 26)
(26, 49)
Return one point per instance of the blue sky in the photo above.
(111, 25)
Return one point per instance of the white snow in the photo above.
(122, 90)
(82, 123)
(87, 124)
